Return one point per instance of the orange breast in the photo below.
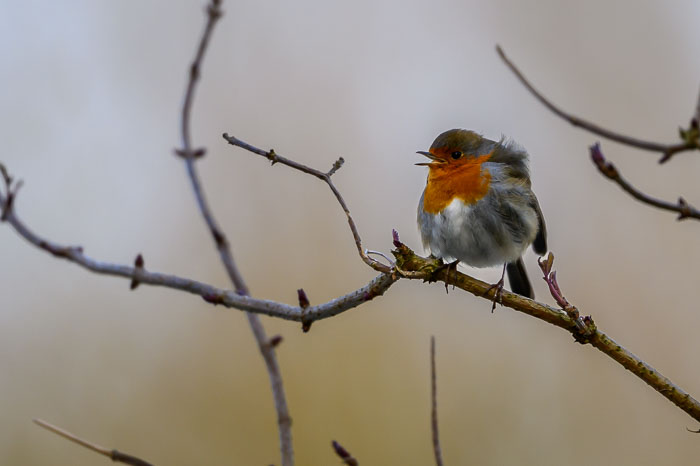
(466, 181)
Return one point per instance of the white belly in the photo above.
(477, 234)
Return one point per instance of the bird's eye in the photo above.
(456, 154)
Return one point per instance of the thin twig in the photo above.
(433, 405)
(274, 158)
(114, 455)
(682, 208)
(284, 420)
(666, 149)
(409, 265)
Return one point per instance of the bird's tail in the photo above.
(517, 277)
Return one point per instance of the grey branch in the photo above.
(433, 405)
(667, 150)
(284, 420)
(682, 208)
(209, 293)
(274, 158)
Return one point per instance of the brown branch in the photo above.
(114, 455)
(668, 150)
(411, 266)
(682, 208)
(274, 158)
(433, 405)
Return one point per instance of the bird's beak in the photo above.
(430, 156)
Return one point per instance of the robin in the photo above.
(478, 208)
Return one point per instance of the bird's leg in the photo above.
(498, 295)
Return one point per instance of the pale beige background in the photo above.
(89, 112)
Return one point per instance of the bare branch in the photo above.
(114, 455)
(411, 266)
(682, 208)
(274, 158)
(209, 293)
(433, 405)
(667, 150)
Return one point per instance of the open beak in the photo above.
(430, 156)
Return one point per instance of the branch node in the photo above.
(191, 154)
(303, 299)
(271, 156)
(684, 209)
(11, 189)
(138, 267)
(274, 341)
(219, 238)
(396, 240)
(213, 298)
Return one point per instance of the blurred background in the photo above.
(89, 108)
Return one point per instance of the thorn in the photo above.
(596, 154)
(138, 266)
(219, 238)
(191, 154)
(274, 341)
(306, 325)
(685, 209)
(344, 454)
(303, 299)
(213, 298)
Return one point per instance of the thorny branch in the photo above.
(682, 208)
(690, 137)
(114, 455)
(284, 420)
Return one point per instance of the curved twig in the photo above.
(682, 208)
(668, 150)
(274, 158)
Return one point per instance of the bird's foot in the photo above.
(497, 295)
(437, 266)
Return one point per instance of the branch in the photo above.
(682, 208)
(433, 405)
(209, 293)
(114, 455)
(274, 158)
(411, 266)
(668, 150)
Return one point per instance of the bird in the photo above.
(478, 207)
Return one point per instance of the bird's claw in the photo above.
(497, 295)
